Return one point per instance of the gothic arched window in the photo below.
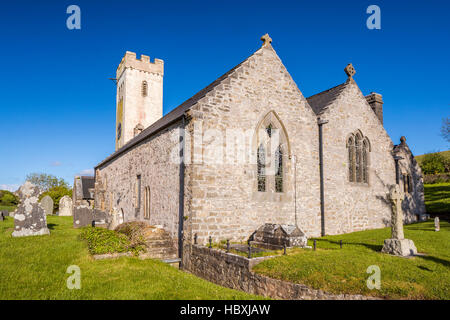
(147, 203)
(261, 168)
(351, 159)
(358, 158)
(279, 170)
(365, 159)
(144, 88)
(272, 149)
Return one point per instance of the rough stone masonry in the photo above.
(231, 199)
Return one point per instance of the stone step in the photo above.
(160, 256)
(158, 243)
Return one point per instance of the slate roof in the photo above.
(87, 182)
(320, 101)
(173, 116)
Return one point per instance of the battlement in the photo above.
(144, 64)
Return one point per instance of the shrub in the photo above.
(433, 163)
(134, 231)
(7, 198)
(101, 241)
(436, 178)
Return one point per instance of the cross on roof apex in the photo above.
(350, 70)
(266, 40)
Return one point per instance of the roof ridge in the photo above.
(328, 96)
(175, 113)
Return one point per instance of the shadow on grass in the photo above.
(424, 268)
(445, 263)
(374, 247)
(51, 226)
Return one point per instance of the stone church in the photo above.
(323, 163)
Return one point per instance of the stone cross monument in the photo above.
(396, 196)
(398, 245)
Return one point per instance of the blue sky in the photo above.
(58, 106)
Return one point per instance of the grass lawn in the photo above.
(437, 198)
(344, 270)
(35, 268)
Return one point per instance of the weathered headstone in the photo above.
(398, 245)
(5, 213)
(29, 218)
(82, 216)
(2, 218)
(437, 225)
(65, 206)
(47, 204)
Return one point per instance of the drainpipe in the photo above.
(321, 122)
(181, 198)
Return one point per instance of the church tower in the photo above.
(139, 95)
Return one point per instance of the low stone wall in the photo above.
(234, 271)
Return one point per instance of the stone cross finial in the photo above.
(266, 40)
(396, 196)
(350, 70)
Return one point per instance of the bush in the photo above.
(102, 241)
(434, 163)
(56, 193)
(7, 198)
(134, 231)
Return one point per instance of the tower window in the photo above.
(144, 88)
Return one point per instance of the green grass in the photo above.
(9, 208)
(437, 198)
(35, 268)
(344, 270)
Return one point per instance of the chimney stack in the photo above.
(375, 101)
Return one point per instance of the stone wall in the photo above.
(234, 271)
(352, 206)
(414, 204)
(224, 201)
(155, 160)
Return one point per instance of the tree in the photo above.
(445, 129)
(433, 163)
(46, 181)
(8, 198)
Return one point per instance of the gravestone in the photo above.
(274, 236)
(65, 206)
(2, 218)
(437, 225)
(5, 213)
(29, 217)
(47, 204)
(83, 215)
(398, 245)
